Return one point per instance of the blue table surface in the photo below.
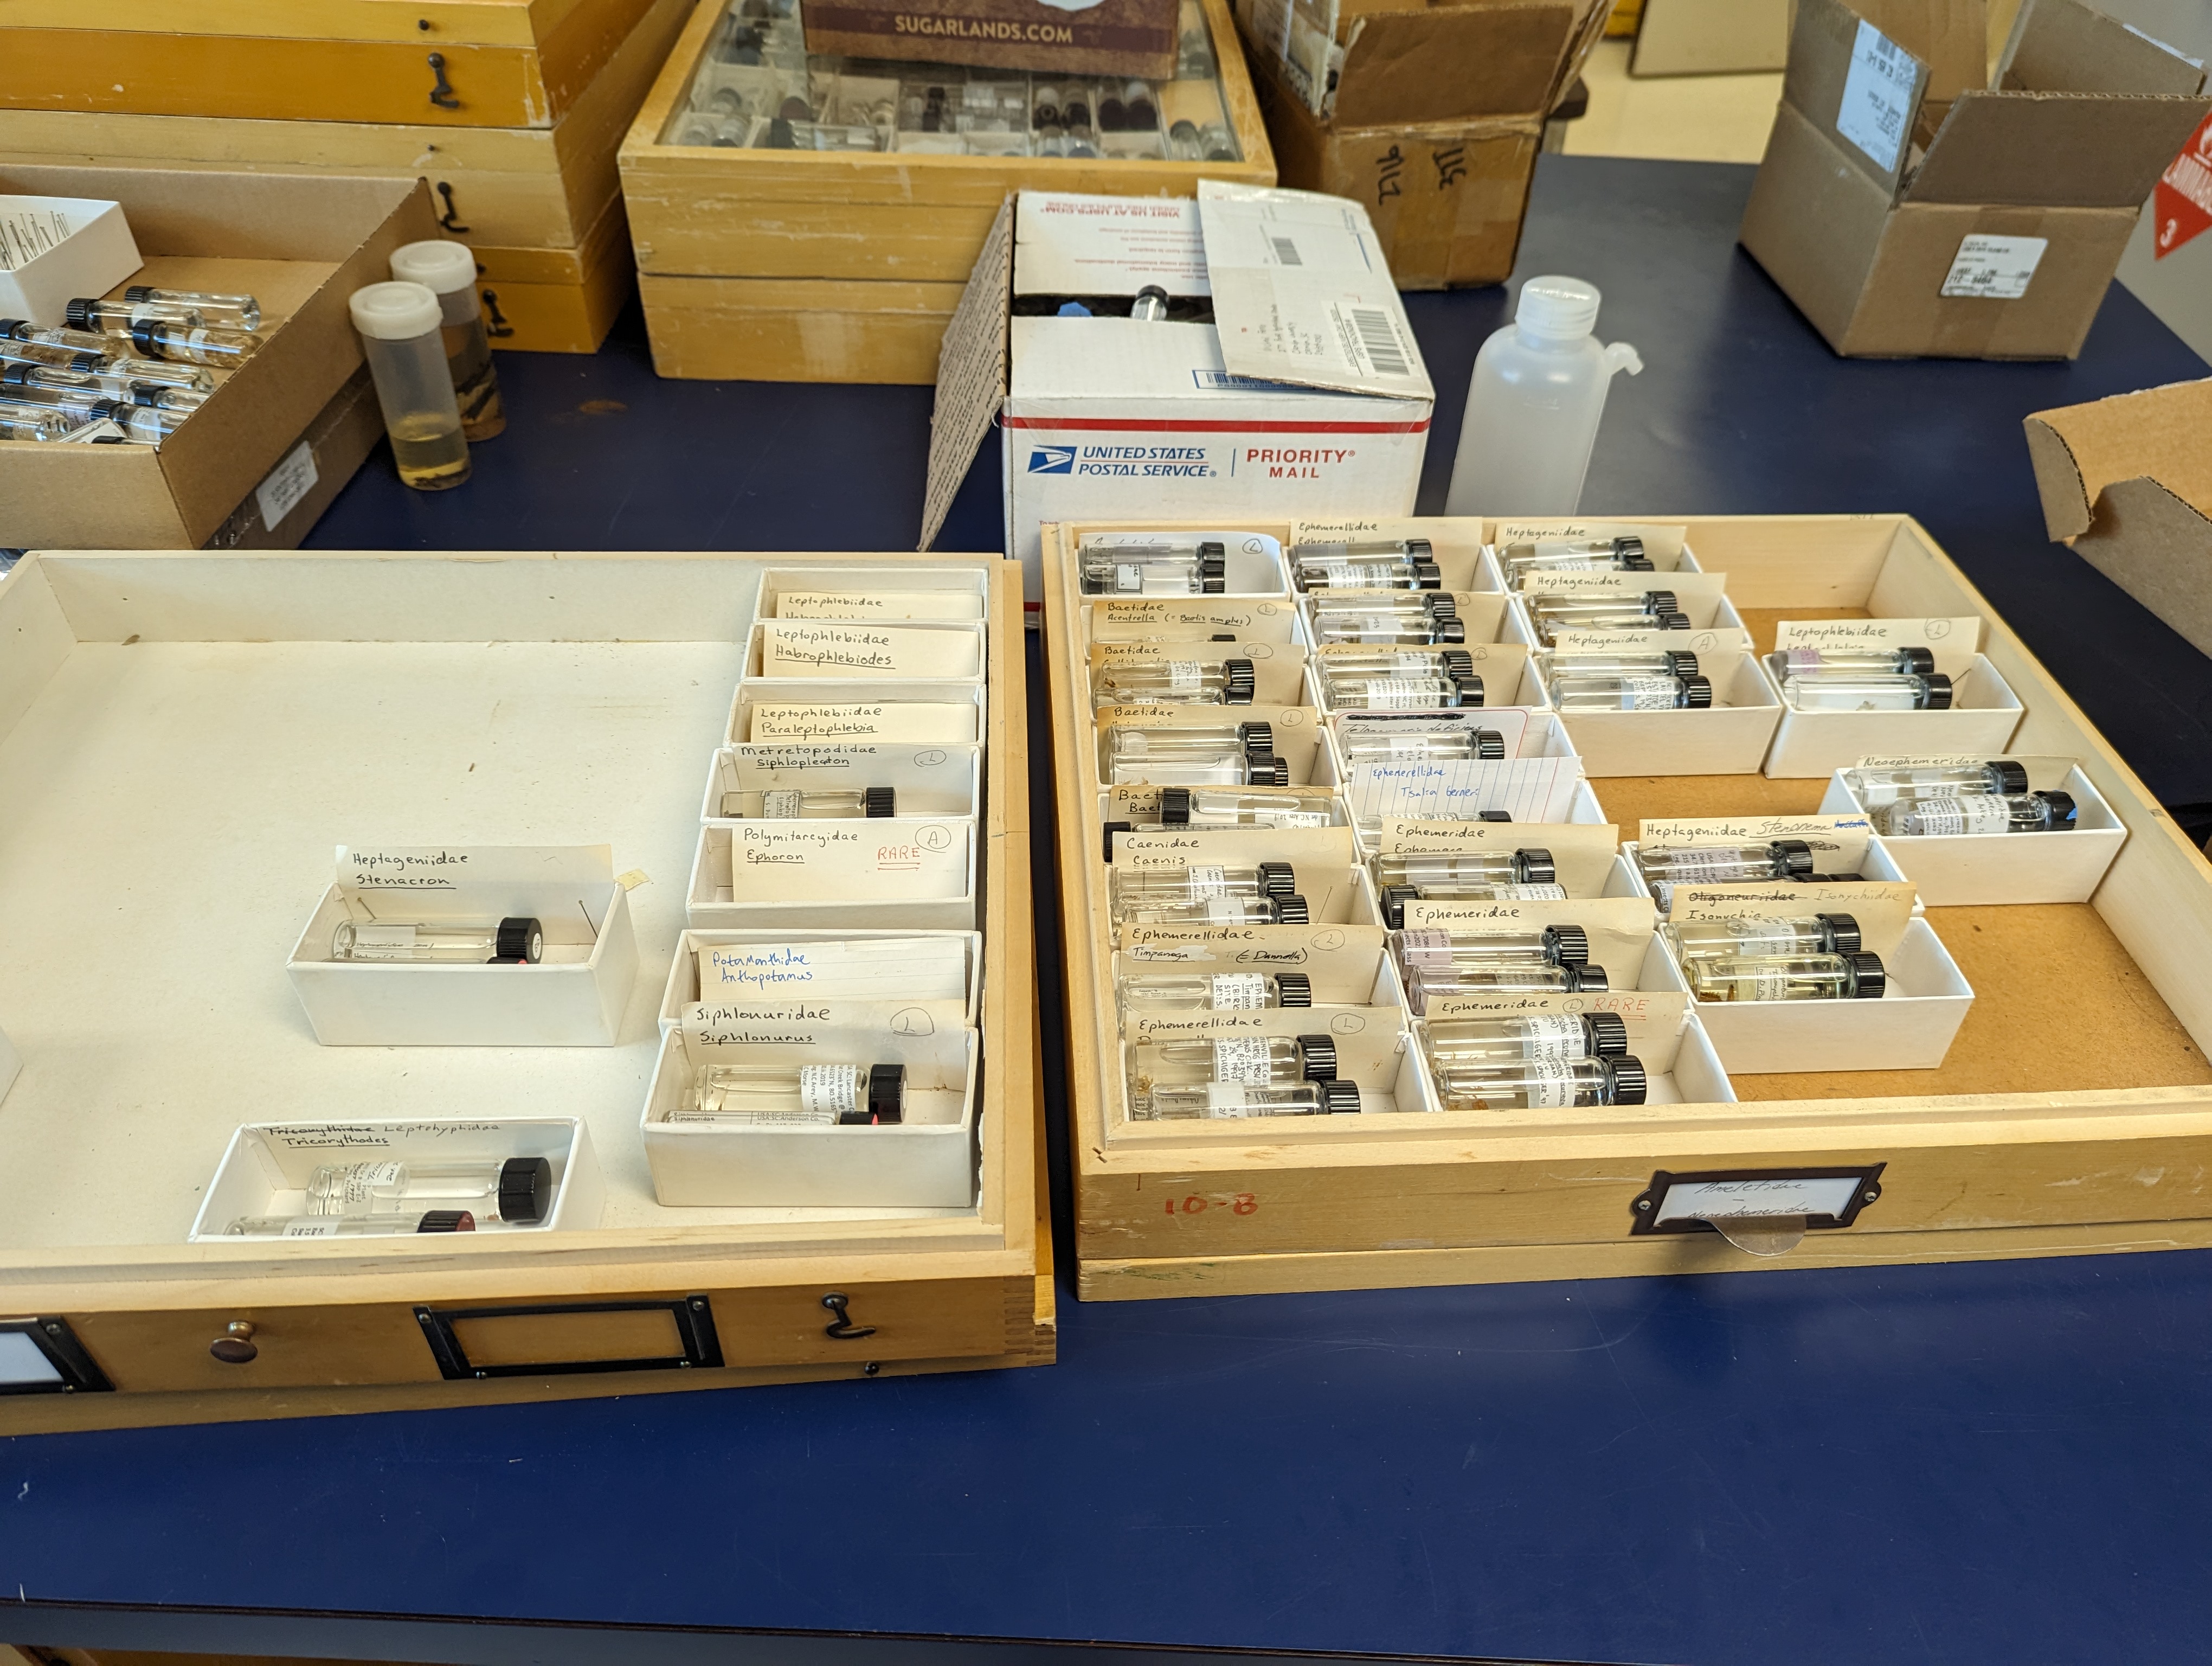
(1948, 1463)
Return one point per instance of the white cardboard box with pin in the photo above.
(54, 249)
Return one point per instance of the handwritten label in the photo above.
(937, 968)
(852, 604)
(793, 649)
(454, 869)
(864, 720)
(1818, 832)
(886, 861)
(1739, 1200)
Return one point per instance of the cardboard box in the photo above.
(1991, 232)
(1710, 37)
(2126, 484)
(303, 244)
(1432, 123)
(1102, 38)
(1106, 416)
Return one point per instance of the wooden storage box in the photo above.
(228, 689)
(791, 265)
(2073, 1114)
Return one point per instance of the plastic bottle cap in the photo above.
(396, 312)
(1467, 691)
(1630, 548)
(1317, 1055)
(2061, 806)
(1427, 575)
(1660, 601)
(1293, 990)
(1420, 549)
(2012, 777)
(1277, 879)
(1867, 978)
(1629, 1084)
(1441, 605)
(1494, 816)
(1570, 945)
(447, 1220)
(1175, 808)
(1557, 308)
(1154, 292)
(1238, 684)
(1842, 931)
(1291, 911)
(438, 266)
(526, 1187)
(1586, 978)
(82, 313)
(1448, 629)
(879, 801)
(1682, 664)
(1339, 1097)
(1535, 862)
(1939, 693)
(886, 1092)
(1266, 769)
(1670, 622)
(1918, 661)
(1258, 736)
(1696, 693)
(1793, 856)
(1110, 830)
(1608, 1033)
(521, 940)
(1457, 662)
(1394, 898)
(1489, 744)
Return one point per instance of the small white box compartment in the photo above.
(1967, 869)
(891, 595)
(927, 780)
(82, 246)
(793, 975)
(879, 893)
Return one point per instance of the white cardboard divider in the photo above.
(878, 704)
(793, 979)
(1983, 712)
(929, 779)
(964, 586)
(1730, 739)
(266, 1168)
(1970, 869)
(1686, 1072)
(712, 905)
(927, 1161)
(96, 253)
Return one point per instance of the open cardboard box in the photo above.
(2126, 484)
(303, 245)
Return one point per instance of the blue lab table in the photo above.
(1956, 1463)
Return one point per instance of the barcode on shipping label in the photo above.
(1877, 96)
(1994, 268)
(1287, 251)
(1373, 336)
(286, 483)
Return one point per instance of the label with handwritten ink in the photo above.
(853, 720)
(789, 648)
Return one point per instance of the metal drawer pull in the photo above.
(551, 1338)
(235, 1345)
(843, 1328)
(497, 324)
(451, 219)
(442, 94)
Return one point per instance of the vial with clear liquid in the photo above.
(25, 423)
(1174, 683)
(448, 270)
(1883, 661)
(1635, 611)
(350, 1226)
(24, 383)
(1658, 662)
(1370, 746)
(1402, 693)
(140, 423)
(1508, 977)
(1264, 910)
(1393, 898)
(402, 331)
(1181, 1100)
(1218, 755)
(790, 805)
(1437, 948)
(1149, 305)
(1220, 991)
(1568, 555)
(1789, 978)
(1750, 939)
(1448, 664)
(795, 1096)
(1553, 1036)
(1164, 566)
(1254, 1060)
(1201, 807)
(1133, 891)
(231, 312)
(1366, 564)
(1722, 864)
(223, 349)
(516, 940)
(119, 317)
(1878, 787)
(1644, 692)
(1381, 623)
(1531, 866)
(1543, 1084)
(1980, 812)
(12, 351)
(1866, 691)
(515, 1192)
(102, 384)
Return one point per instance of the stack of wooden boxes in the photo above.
(511, 109)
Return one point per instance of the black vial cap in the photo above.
(1458, 662)
(886, 1092)
(525, 1188)
(1394, 898)
(1469, 690)
(1606, 1033)
(1175, 806)
(80, 314)
(1291, 911)
(1792, 857)
(1448, 630)
(1221, 636)
(1843, 931)
(1237, 682)
(15, 375)
(1317, 1055)
(1276, 879)
(2011, 776)
(1696, 693)
(1213, 550)
(1488, 744)
(146, 393)
(1533, 863)
(1682, 663)
(1258, 736)
(1492, 816)
(1629, 547)
(15, 329)
(1110, 830)
(1266, 769)
(1442, 605)
(879, 801)
(522, 939)
(2061, 808)
(1670, 622)
(1629, 1084)
(1586, 978)
(137, 293)
(1661, 601)
(1420, 549)
(1868, 978)
(1212, 583)
(779, 135)
(1337, 1097)
(1918, 661)
(1427, 575)
(1939, 693)
(447, 1220)
(151, 339)
(1293, 990)
(1570, 945)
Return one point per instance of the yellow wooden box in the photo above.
(788, 265)
(2073, 1114)
(144, 983)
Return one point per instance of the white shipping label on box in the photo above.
(909, 968)
(857, 861)
(792, 649)
(1114, 245)
(292, 479)
(842, 721)
(1877, 96)
(862, 605)
(1994, 268)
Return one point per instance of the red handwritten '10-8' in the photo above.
(1243, 1203)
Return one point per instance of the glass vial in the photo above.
(1877, 788)
(1547, 946)
(1883, 661)
(1177, 1102)
(517, 1192)
(795, 1096)
(1866, 691)
(230, 312)
(1550, 1036)
(1569, 555)
(19, 344)
(1229, 755)
(1366, 564)
(1722, 864)
(1981, 813)
(1450, 664)
(790, 805)
(1658, 662)
(402, 329)
(448, 270)
(1376, 746)
(1254, 1060)
(1135, 891)
(350, 1226)
(22, 423)
(1393, 899)
(86, 403)
(1363, 617)
(1174, 683)
(1402, 693)
(1791, 977)
(1163, 567)
(1199, 807)
(1427, 983)
(1749, 939)
(1529, 866)
(1636, 610)
(1579, 692)
(1149, 305)
(119, 317)
(1221, 992)
(513, 941)
(102, 384)
(223, 349)
(1543, 1084)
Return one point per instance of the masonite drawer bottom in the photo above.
(775, 330)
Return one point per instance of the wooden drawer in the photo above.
(556, 300)
(98, 1183)
(2072, 1113)
(797, 330)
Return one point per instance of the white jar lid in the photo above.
(396, 312)
(437, 264)
(1558, 308)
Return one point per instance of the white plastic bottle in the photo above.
(1534, 403)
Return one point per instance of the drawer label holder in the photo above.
(692, 1318)
(1763, 1211)
(42, 1355)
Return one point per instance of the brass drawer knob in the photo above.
(235, 1345)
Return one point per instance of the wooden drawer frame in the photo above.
(341, 1332)
(1524, 1195)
